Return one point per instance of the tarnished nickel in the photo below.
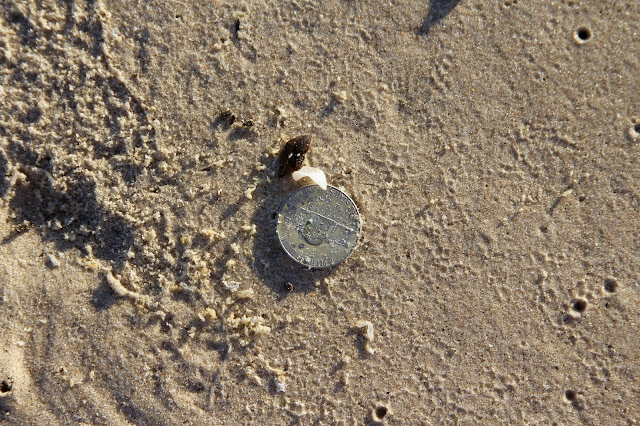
(318, 228)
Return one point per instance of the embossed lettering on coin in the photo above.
(318, 228)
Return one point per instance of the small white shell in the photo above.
(232, 286)
(369, 328)
(313, 173)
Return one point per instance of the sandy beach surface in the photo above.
(492, 148)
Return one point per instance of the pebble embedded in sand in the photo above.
(368, 326)
(292, 154)
(281, 383)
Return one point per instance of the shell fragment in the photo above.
(313, 173)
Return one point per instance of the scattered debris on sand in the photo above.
(368, 335)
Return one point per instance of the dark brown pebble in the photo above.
(292, 154)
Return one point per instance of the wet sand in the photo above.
(493, 151)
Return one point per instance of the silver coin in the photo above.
(318, 228)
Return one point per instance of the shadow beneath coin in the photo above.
(271, 264)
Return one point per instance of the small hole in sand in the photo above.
(583, 34)
(579, 305)
(5, 386)
(380, 412)
(636, 127)
(33, 115)
(570, 395)
(610, 285)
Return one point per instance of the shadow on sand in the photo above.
(438, 10)
(271, 264)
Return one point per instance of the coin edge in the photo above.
(278, 214)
